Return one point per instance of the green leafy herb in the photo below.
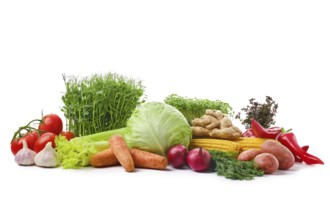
(227, 165)
(264, 113)
(77, 152)
(99, 102)
(194, 108)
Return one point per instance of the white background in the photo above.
(227, 50)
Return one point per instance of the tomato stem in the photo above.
(27, 128)
(38, 120)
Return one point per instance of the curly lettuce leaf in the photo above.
(77, 152)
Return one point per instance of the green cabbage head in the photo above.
(156, 126)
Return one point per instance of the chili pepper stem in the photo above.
(285, 131)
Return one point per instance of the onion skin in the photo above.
(176, 156)
(199, 159)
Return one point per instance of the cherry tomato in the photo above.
(16, 145)
(43, 140)
(68, 135)
(51, 123)
(30, 139)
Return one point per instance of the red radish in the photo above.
(176, 156)
(198, 159)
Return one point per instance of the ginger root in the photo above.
(206, 121)
(230, 133)
(200, 131)
(225, 122)
(215, 113)
(215, 124)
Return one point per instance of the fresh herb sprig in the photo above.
(226, 164)
(194, 108)
(264, 113)
(99, 102)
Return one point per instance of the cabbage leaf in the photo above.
(156, 126)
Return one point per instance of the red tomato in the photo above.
(51, 123)
(43, 140)
(30, 139)
(16, 145)
(68, 135)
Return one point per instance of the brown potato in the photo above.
(267, 162)
(248, 155)
(283, 154)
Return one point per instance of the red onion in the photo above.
(198, 159)
(176, 156)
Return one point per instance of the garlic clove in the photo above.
(47, 157)
(25, 156)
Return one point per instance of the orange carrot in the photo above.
(129, 158)
(105, 158)
(142, 159)
(122, 153)
(149, 160)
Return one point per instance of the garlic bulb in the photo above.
(47, 157)
(25, 156)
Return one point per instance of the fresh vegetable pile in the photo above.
(32, 145)
(114, 127)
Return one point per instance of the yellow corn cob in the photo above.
(238, 145)
(214, 144)
(246, 143)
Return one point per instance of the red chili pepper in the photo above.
(248, 133)
(297, 159)
(287, 139)
(305, 148)
(290, 141)
(276, 128)
(262, 132)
